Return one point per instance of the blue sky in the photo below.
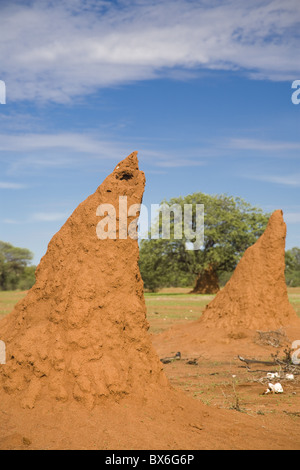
(201, 89)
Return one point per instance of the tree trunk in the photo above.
(207, 282)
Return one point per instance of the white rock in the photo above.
(273, 376)
(290, 377)
(277, 388)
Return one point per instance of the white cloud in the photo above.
(10, 222)
(292, 217)
(79, 143)
(70, 150)
(60, 50)
(288, 180)
(23, 152)
(263, 145)
(50, 217)
(62, 150)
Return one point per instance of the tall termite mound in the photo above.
(207, 282)
(81, 332)
(256, 295)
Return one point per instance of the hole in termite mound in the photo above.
(125, 175)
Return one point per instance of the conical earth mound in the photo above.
(81, 332)
(254, 299)
(256, 295)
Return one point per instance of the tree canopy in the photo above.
(231, 225)
(292, 272)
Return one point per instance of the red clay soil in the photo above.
(81, 372)
(255, 298)
(207, 282)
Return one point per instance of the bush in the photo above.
(14, 269)
(292, 278)
(27, 279)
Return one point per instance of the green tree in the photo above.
(13, 263)
(157, 268)
(292, 263)
(27, 278)
(231, 226)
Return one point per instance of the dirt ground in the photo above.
(216, 376)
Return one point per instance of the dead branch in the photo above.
(255, 361)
